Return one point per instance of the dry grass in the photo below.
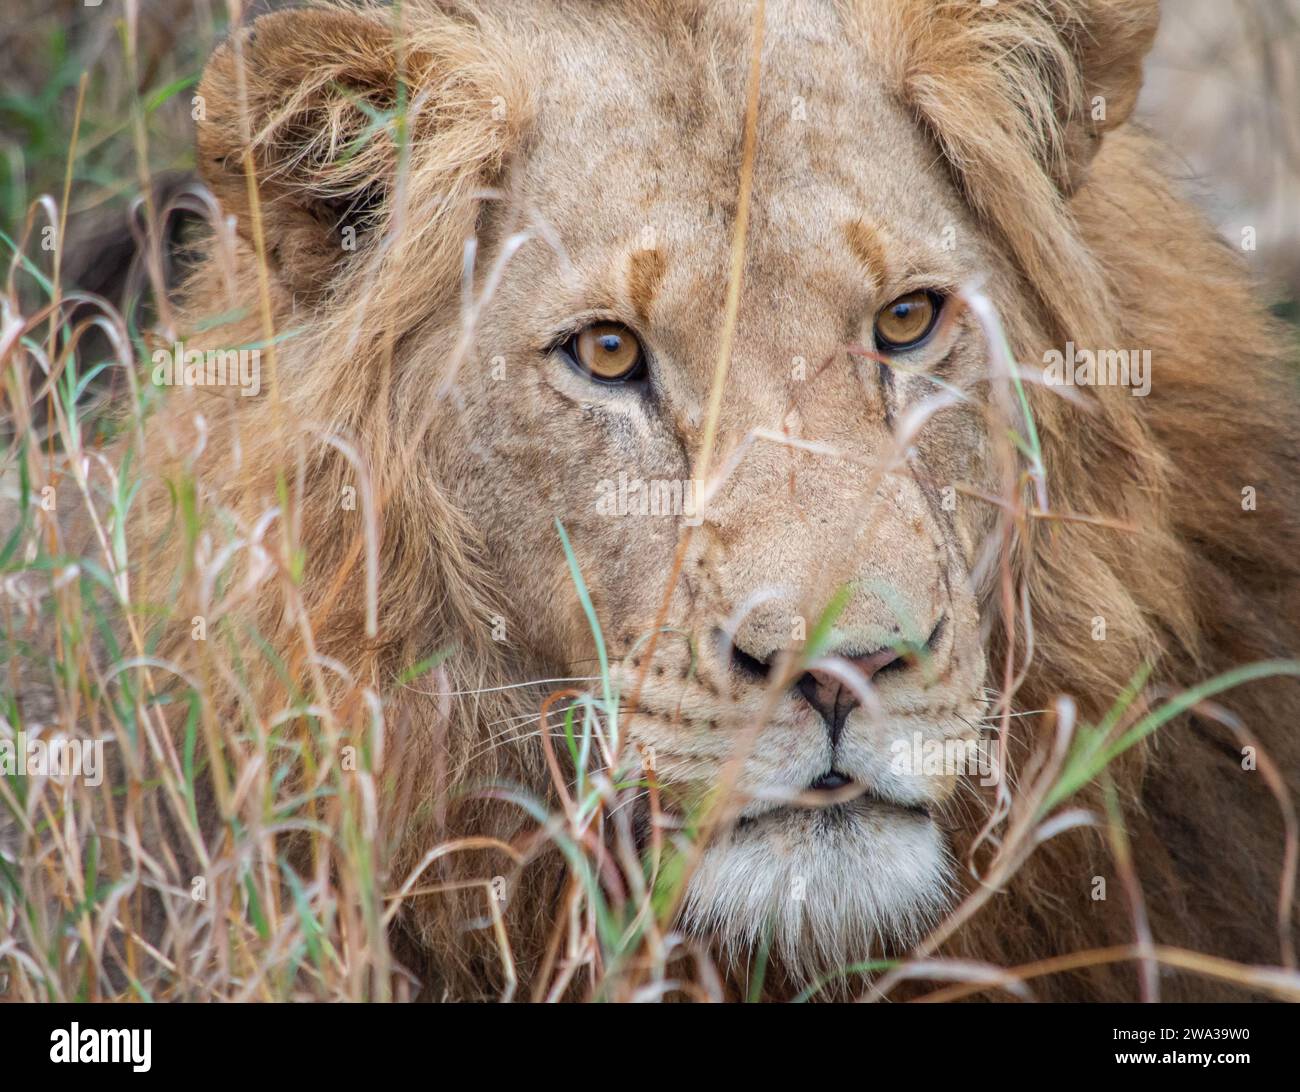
(298, 890)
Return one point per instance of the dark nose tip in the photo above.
(823, 691)
(832, 698)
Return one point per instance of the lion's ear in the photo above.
(1018, 95)
(1107, 42)
(1017, 80)
(298, 91)
(320, 100)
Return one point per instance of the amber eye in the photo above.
(608, 351)
(908, 321)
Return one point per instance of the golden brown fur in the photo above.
(1083, 238)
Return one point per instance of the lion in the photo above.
(516, 300)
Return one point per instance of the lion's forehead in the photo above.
(640, 129)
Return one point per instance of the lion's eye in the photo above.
(908, 321)
(608, 351)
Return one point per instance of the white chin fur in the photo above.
(830, 887)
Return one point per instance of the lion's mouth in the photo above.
(837, 795)
(832, 779)
(833, 800)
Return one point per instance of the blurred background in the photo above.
(1223, 89)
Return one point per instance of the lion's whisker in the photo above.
(498, 689)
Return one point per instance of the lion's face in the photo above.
(585, 401)
(904, 149)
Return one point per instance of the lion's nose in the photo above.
(825, 692)
(832, 698)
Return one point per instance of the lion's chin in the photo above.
(825, 887)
